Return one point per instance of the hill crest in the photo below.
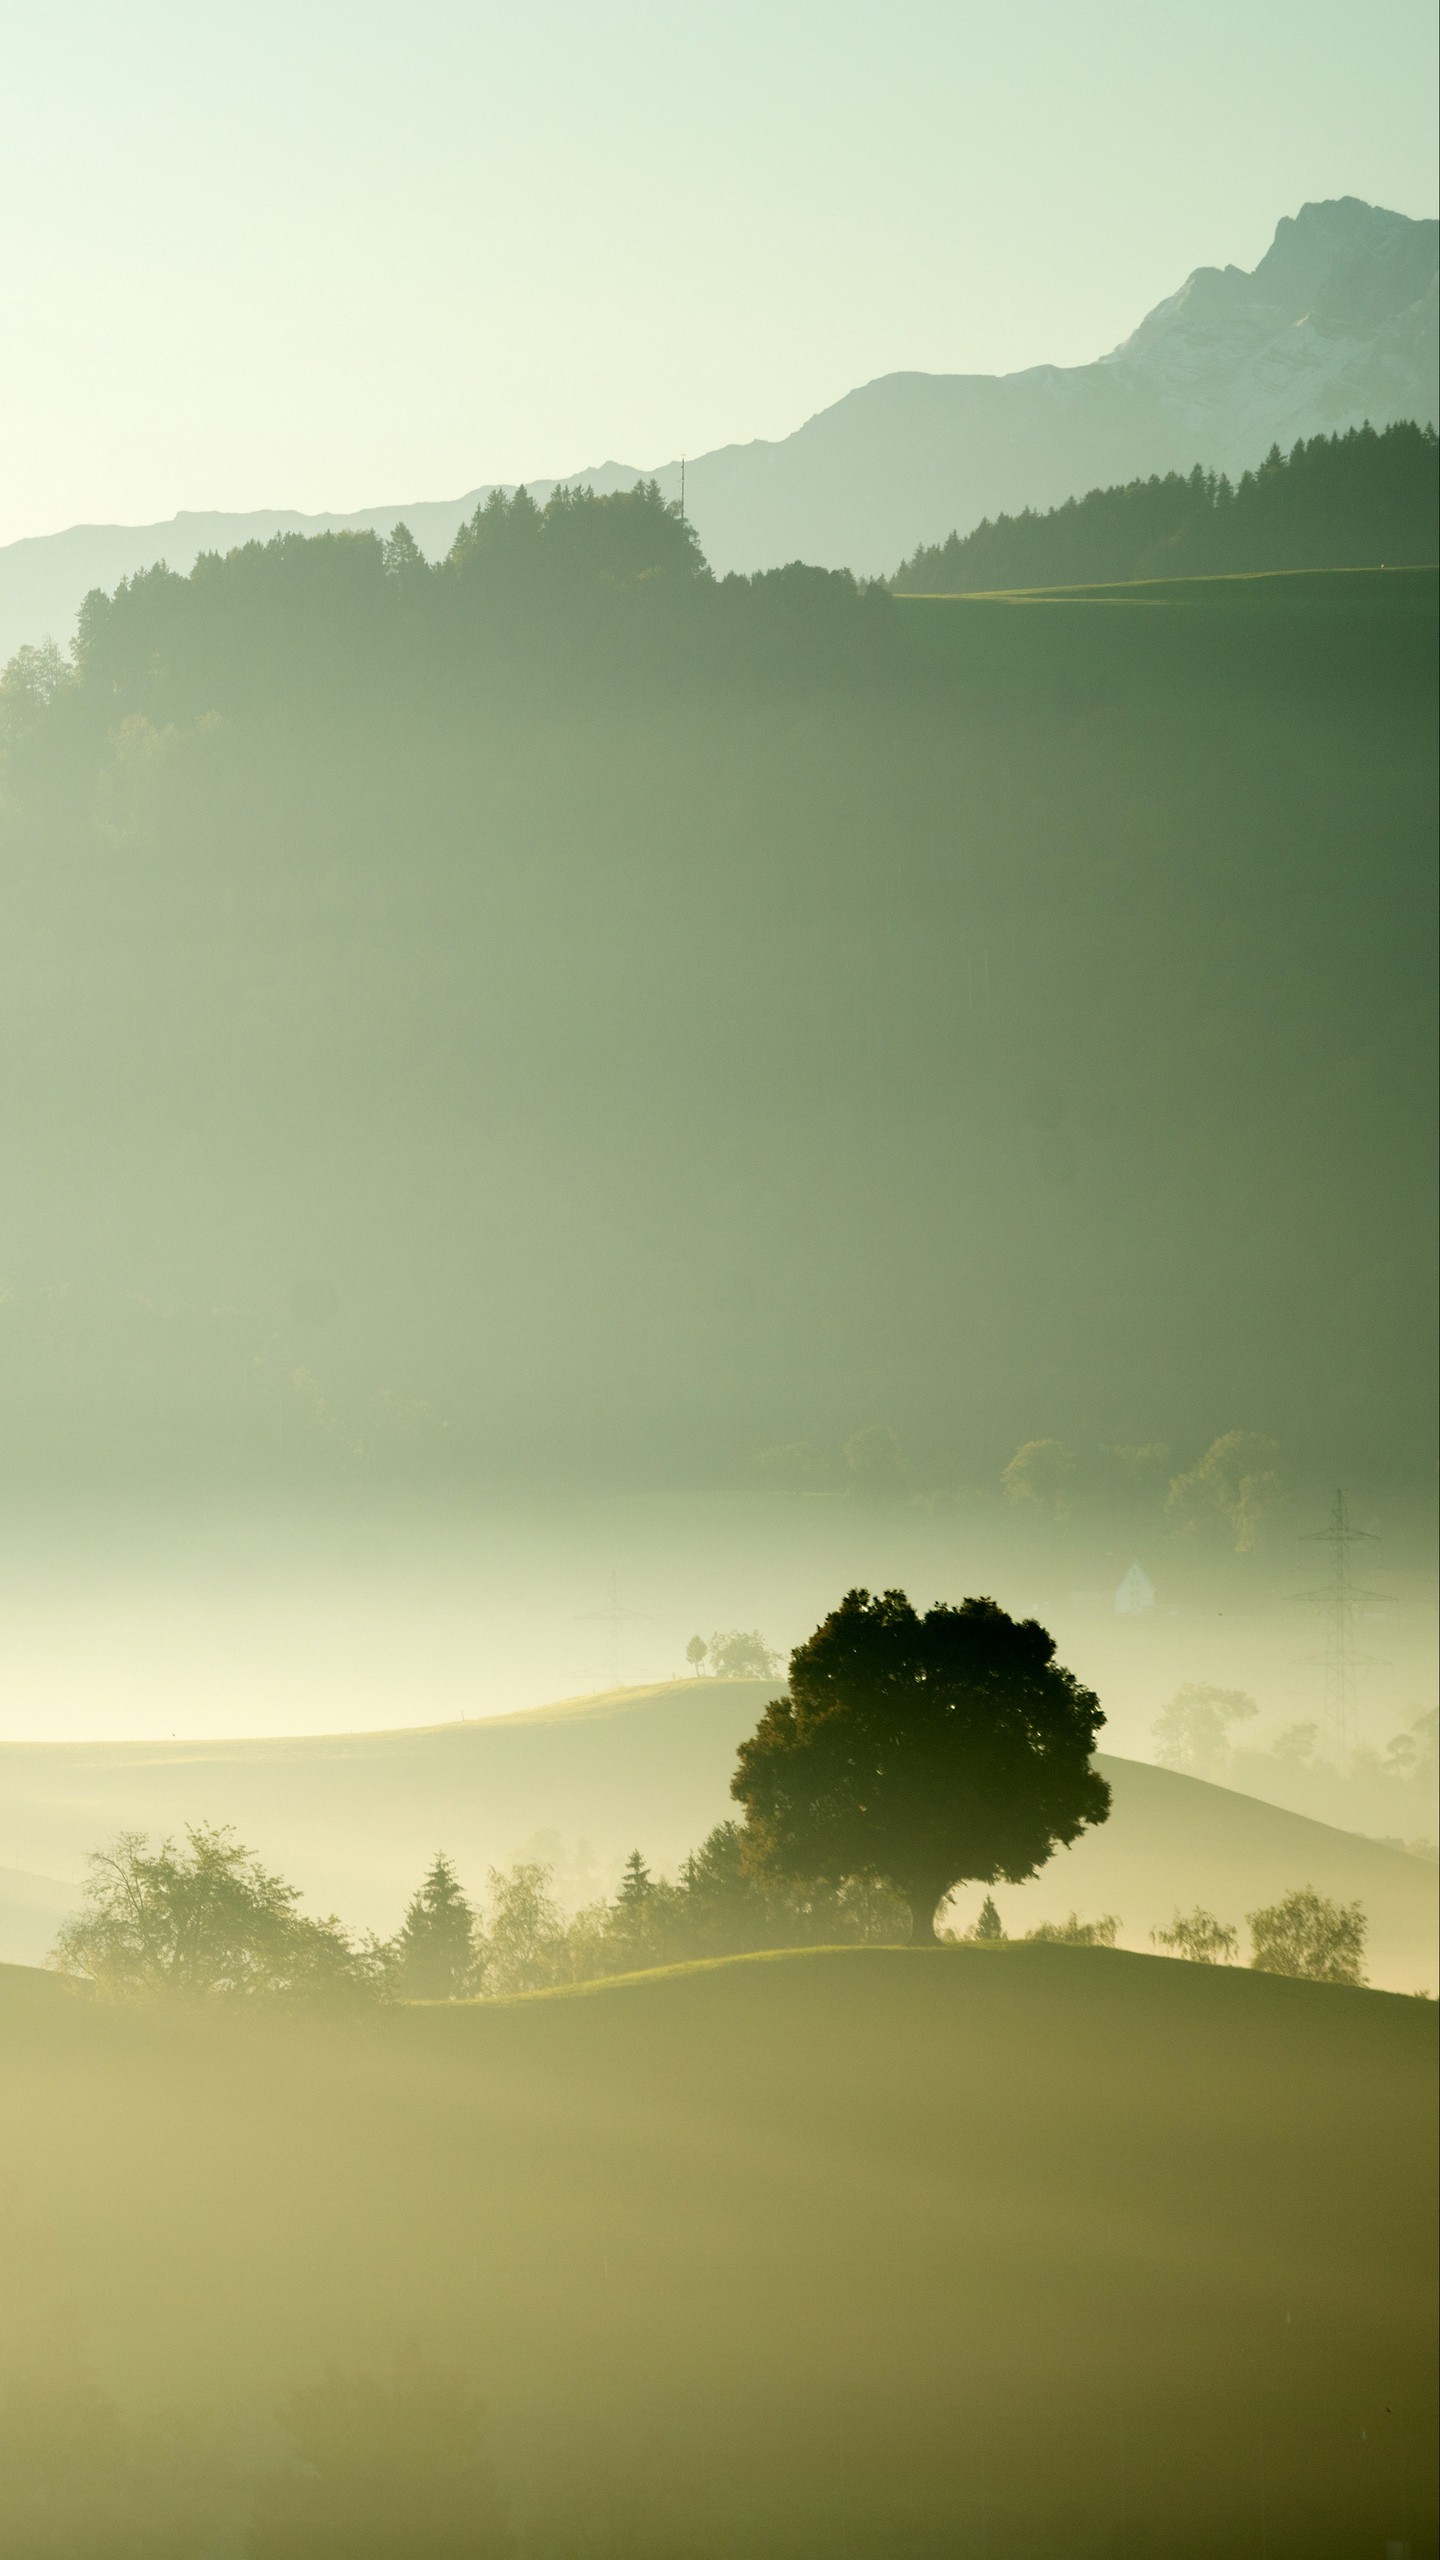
(355, 1818)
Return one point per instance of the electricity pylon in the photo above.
(613, 1619)
(1339, 1661)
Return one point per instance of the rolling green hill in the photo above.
(1040, 2252)
(354, 1818)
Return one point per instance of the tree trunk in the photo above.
(923, 1906)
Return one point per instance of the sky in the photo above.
(344, 252)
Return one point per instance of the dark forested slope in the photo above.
(1359, 500)
(559, 1009)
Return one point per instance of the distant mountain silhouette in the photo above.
(1336, 325)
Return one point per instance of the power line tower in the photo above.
(614, 1619)
(1338, 1597)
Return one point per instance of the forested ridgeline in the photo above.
(314, 622)
(558, 1001)
(1358, 500)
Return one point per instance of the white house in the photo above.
(1135, 1594)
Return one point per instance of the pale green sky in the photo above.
(341, 252)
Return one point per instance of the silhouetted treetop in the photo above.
(577, 534)
(921, 1752)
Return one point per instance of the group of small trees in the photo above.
(1304, 1935)
(734, 1653)
(524, 1941)
(1231, 1493)
(208, 1920)
(909, 1755)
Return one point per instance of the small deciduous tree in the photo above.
(741, 1653)
(1039, 1479)
(435, 1956)
(1193, 1731)
(1309, 1937)
(1236, 1482)
(921, 1752)
(695, 1653)
(1199, 1937)
(1075, 1932)
(524, 1938)
(202, 1921)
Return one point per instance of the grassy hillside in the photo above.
(604, 1027)
(354, 1818)
(1035, 2252)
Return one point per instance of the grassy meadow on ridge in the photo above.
(1029, 2252)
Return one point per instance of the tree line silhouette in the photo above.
(908, 1756)
(1364, 499)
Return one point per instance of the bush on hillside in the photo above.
(741, 1653)
(1199, 1937)
(1193, 1731)
(1075, 1932)
(1309, 1937)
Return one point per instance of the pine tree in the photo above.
(989, 1926)
(636, 1885)
(435, 1951)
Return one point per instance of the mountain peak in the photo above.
(1313, 246)
(1346, 266)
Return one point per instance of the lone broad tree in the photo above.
(921, 1752)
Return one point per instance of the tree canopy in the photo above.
(1310, 1937)
(921, 1752)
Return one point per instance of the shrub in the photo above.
(1199, 1937)
(1076, 1932)
(1309, 1937)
